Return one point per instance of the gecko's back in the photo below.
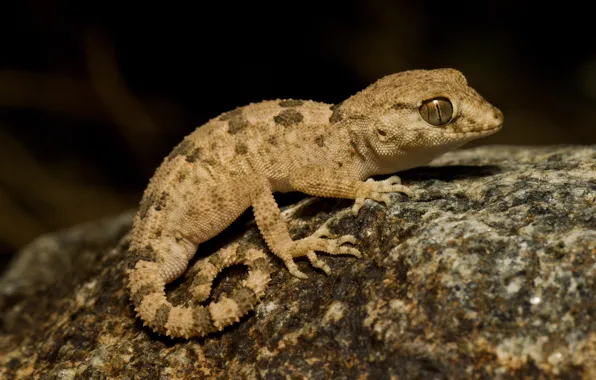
(264, 138)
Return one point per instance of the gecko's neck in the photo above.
(402, 157)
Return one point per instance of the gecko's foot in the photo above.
(377, 191)
(318, 242)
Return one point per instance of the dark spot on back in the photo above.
(181, 149)
(231, 114)
(241, 148)
(320, 140)
(334, 107)
(291, 103)
(336, 115)
(236, 120)
(161, 202)
(236, 125)
(288, 117)
(272, 140)
(210, 161)
(194, 155)
(145, 204)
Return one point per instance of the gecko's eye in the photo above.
(436, 111)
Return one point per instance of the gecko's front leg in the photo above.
(323, 181)
(377, 190)
(276, 235)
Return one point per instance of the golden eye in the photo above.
(436, 111)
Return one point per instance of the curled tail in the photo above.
(147, 288)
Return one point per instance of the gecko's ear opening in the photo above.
(381, 133)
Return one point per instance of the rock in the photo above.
(491, 272)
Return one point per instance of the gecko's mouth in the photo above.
(497, 122)
(489, 130)
(488, 127)
(484, 130)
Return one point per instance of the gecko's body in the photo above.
(239, 159)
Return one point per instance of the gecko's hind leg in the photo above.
(243, 299)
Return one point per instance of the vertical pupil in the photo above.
(438, 110)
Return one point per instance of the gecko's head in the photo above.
(434, 110)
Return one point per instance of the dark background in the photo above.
(93, 96)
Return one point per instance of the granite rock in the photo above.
(491, 272)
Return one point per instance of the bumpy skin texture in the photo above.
(242, 157)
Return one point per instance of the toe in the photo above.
(347, 239)
(317, 263)
(293, 269)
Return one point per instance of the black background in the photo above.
(94, 95)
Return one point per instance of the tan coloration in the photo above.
(241, 158)
(257, 281)
(150, 304)
(145, 274)
(259, 278)
(201, 291)
(180, 322)
(224, 313)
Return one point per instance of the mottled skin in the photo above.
(242, 157)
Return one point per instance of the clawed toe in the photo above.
(308, 246)
(350, 251)
(393, 180)
(347, 239)
(293, 269)
(322, 232)
(318, 263)
(359, 202)
(377, 191)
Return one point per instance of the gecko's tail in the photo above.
(148, 296)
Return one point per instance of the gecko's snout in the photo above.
(497, 119)
(498, 115)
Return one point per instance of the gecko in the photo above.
(240, 158)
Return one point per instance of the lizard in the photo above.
(240, 158)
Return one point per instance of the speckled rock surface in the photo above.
(490, 273)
